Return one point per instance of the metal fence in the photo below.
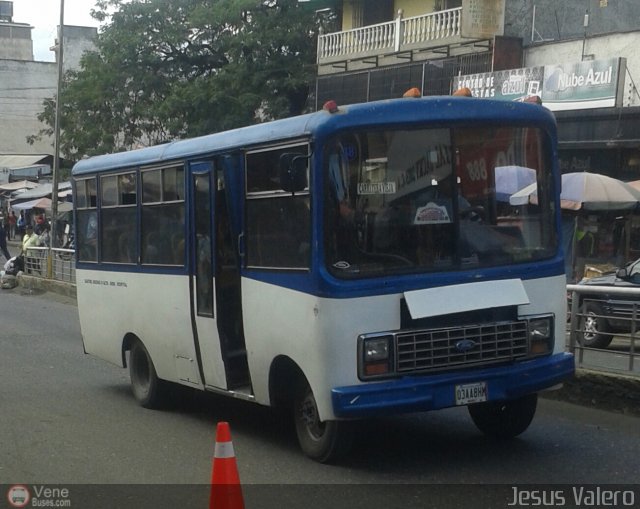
(603, 328)
(51, 263)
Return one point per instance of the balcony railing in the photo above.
(402, 34)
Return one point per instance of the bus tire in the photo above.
(504, 419)
(593, 332)
(147, 388)
(322, 441)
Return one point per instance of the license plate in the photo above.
(471, 393)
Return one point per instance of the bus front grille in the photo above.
(447, 348)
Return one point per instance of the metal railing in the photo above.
(51, 263)
(603, 328)
(401, 34)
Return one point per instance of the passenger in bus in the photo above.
(177, 248)
(126, 248)
(88, 244)
(157, 248)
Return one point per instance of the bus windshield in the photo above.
(413, 200)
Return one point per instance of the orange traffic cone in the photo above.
(226, 492)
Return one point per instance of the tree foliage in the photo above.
(167, 69)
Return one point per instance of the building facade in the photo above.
(382, 52)
(25, 84)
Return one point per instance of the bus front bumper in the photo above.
(432, 392)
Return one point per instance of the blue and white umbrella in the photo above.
(511, 179)
(588, 191)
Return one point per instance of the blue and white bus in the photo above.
(358, 261)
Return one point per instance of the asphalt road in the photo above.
(67, 419)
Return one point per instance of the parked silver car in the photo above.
(603, 314)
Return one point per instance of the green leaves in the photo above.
(167, 69)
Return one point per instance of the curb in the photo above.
(47, 285)
(605, 391)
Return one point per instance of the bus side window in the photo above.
(278, 223)
(162, 225)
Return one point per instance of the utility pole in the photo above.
(56, 149)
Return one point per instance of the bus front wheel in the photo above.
(504, 419)
(323, 441)
(147, 388)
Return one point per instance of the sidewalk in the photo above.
(14, 248)
(604, 391)
(39, 283)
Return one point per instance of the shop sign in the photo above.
(583, 85)
(509, 85)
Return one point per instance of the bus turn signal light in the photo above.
(378, 368)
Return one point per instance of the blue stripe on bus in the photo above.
(435, 391)
(322, 284)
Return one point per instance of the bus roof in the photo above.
(439, 109)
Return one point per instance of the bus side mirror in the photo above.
(293, 172)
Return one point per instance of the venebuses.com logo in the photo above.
(18, 495)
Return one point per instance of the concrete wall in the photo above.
(23, 87)
(596, 48)
(558, 20)
(410, 8)
(77, 40)
(15, 41)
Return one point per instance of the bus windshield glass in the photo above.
(444, 199)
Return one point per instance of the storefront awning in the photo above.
(15, 161)
(40, 203)
(14, 186)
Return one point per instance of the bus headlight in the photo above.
(541, 335)
(376, 356)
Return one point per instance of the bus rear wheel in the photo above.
(323, 441)
(504, 419)
(147, 388)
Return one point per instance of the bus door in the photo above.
(222, 360)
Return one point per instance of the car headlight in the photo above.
(541, 335)
(376, 356)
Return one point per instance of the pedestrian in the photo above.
(40, 223)
(30, 239)
(21, 223)
(5, 224)
(13, 220)
(3, 243)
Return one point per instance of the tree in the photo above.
(167, 69)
